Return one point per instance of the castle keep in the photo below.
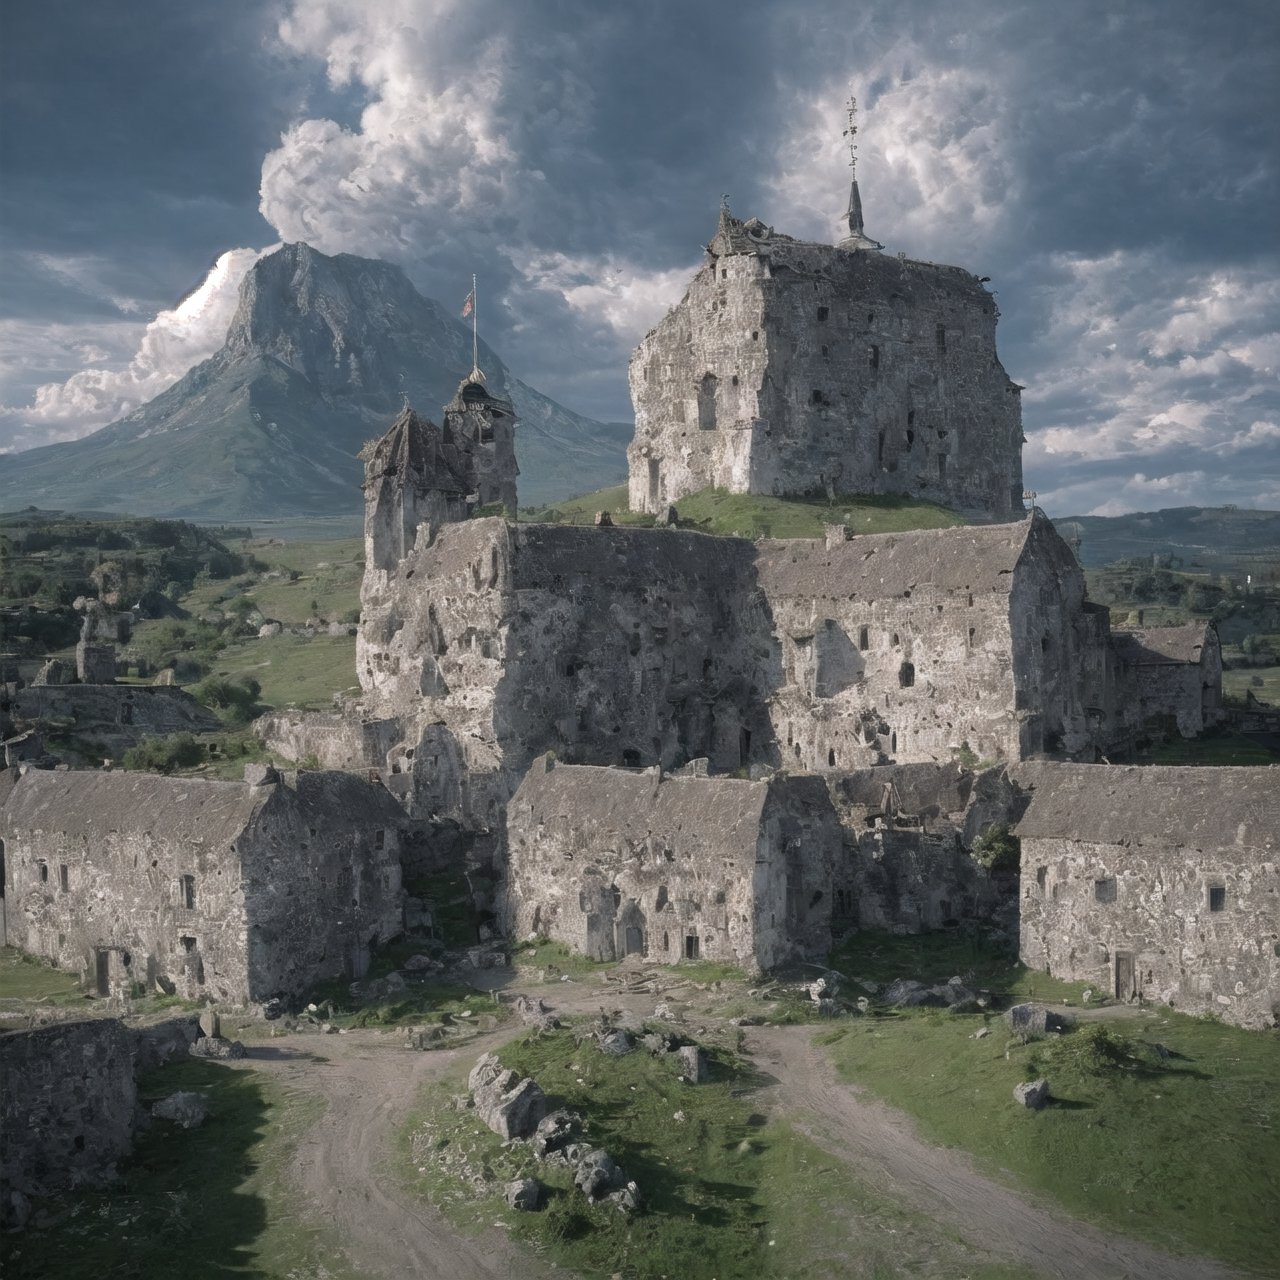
(794, 368)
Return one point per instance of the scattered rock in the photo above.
(753, 1020)
(906, 993)
(627, 1199)
(269, 629)
(534, 1013)
(981, 1032)
(663, 1012)
(524, 1194)
(210, 1023)
(1086, 995)
(616, 1044)
(511, 1107)
(216, 1047)
(555, 1132)
(1032, 1094)
(273, 1009)
(187, 1110)
(863, 1004)
(694, 1066)
(1034, 1019)
(421, 964)
(597, 1173)
(822, 989)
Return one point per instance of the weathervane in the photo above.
(851, 133)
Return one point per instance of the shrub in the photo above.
(998, 849)
(237, 698)
(164, 755)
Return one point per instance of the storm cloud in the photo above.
(1114, 173)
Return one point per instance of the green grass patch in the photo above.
(292, 670)
(983, 960)
(750, 515)
(26, 980)
(1262, 682)
(1180, 1149)
(204, 1203)
(727, 1191)
(704, 971)
(556, 959)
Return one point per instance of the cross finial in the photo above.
(851, 132)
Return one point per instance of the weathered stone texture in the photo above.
(335, 740)
(67, 1100)
(1156, 882)
(615, 862)
(792, 368)
(119, 715)
(224, 889)
(1179, 674)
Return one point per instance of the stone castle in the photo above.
(682, 746)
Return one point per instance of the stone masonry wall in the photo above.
(67, 1099)
(1139, 919)
(798, 367)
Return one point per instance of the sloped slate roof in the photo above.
(873, 566)
(635, 803)
(1159, 646)
(1202, 808)
(92, 802)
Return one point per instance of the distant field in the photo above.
(756, 516)
(1262, 682)
(292, 670)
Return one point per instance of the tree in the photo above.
(998, 849)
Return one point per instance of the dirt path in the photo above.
(880, 1144)
(369, 1084)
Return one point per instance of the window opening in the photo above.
(1104, 890)
(1217, 897)
(906, 675)
(187, 885)
(823, 313)
(379, 839)
(873, 356)
(691, 947)
(864, 638)
(64, 878)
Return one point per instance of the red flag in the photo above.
(469, 305)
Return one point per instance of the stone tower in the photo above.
(484, 425)
(416, 474)
(795, 368)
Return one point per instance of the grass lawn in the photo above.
(203, 1203)
(26, 979)
(1183, 1150)
(292, 670)
(1217, 747)
(1241, 680)
(756, 516)
(727, 1192)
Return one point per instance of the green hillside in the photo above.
(755, 516)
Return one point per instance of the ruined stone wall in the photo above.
(335, 740)
(67, 1099)
(796, 368)
(908, 830)
(119, 715)
(322, 883)
(613, 862)
(496, 643)
(1139, 919)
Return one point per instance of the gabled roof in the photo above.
(1161, 646)
(415, 447)
(873, 566)
(90, 803)
(1174, 806)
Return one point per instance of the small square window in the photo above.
(1217, 897)
(823, 313)
(1104, 891)
(187, 887)
(64, 878)
(379, 839)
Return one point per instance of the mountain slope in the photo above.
(1190, 533)
(319, 357)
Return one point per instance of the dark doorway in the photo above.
(744, 746)
(102, 975)
(635, 940)
(691, 947)
(1126, 984)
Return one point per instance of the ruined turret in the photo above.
(416, 474)
(484, 427)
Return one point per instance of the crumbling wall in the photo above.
(792, 368)
(67, 1099)
(118, 715)
(334, 740)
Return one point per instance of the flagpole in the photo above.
(475, 320)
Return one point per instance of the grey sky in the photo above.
(1112, 167)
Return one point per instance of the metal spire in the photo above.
(852, 216)
(476, 374)
(851, 132)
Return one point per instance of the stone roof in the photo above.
(1161, 646)
(1202, 808)
(90, 802)
(873, 566)
(637, 802)
(346, 799)
(415, 446)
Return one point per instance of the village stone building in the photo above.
(239, 891)
(1178, 672)
(1155, 882)
(687, 866)
(791, 368)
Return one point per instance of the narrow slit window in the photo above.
(1217, 897)
(64, 878)
(187, 888)
(823, 313)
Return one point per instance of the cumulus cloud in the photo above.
(168, 346)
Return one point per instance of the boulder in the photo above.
(906, 993)
(269, 629)
(524, 1194)
(656, 1042)
(821, 989)
(694, 1066)
(616, 1044)
(627, 1199)
(597, 1173)
(210, 1023)
(511, 1107)
(555, 1132)
(186, 1109)
(534, 1013)
(1034, 1019)
(216, 1047)
(1032, 1094)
